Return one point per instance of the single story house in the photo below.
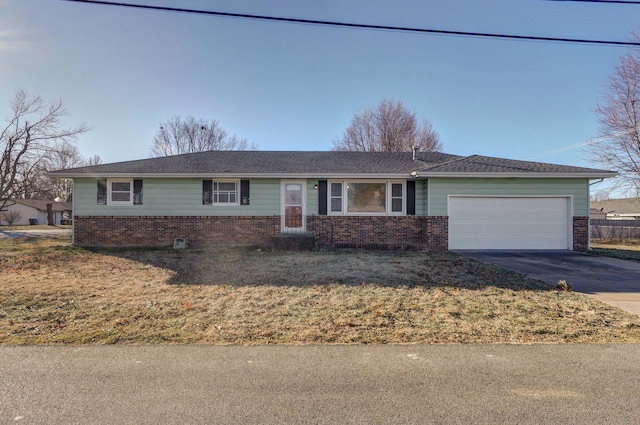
(34, 211)
(619, 209)
(396, 200)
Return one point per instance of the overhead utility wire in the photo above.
(602, 1)
(359, 26)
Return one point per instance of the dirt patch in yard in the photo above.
(51, 294)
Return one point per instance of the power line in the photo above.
(602, 1)
(583, 144)
(361, 26)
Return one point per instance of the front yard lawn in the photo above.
(53, 294)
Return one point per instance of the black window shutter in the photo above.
(137, 192)
(411, 197)
(102, 191)
(207, 192)
(244, 192)
(322, 197)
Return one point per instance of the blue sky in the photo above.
(296, 87)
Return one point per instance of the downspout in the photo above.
(589, 212)
(73, 210)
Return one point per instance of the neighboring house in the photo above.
(619, 209)
(597, 214)
(35, 211)
(392, 200)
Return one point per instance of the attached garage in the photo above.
(487, 222)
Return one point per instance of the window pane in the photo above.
(228, 186)
(120, 196)
(366, 197)
(120, 186)
(396, 205)
(225, 192)
(336, 204)
(293, 194)
(396, 190)
(336, 189)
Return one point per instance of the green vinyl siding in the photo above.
(421, 199)
(439, 190)
(312, 198)
(178, 197)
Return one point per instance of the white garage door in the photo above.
(508, 223)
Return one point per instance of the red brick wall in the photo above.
(581, 234)
(438, 233)
(384, 232)
(160, 231)
(373, 232)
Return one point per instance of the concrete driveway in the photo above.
(614, 281)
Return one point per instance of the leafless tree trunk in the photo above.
(618, 146)
(388, 127)
(25, 141)
(177, 136)
(50, 220)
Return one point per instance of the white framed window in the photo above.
(120, 192)
(367, 197)
(397, 197)
(335, 197)
(225, 192)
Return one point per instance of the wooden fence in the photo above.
(615, 229)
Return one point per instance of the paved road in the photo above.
(614, 281)
(437, 384)
(54, 231)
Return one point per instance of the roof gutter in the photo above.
(235, 175)
(602, 175)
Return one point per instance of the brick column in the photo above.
(581, 234)
(437, 233)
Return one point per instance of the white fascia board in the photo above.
(602, 175)
(236, 176)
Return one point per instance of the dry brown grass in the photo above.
(622, 244)
(626, 249)
(52, 294)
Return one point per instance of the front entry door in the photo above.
(293, 206)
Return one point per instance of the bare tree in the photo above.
(60, 155)
(178, 136)
(618, 144)
(12, 216)
(25, 141)
(388, 127)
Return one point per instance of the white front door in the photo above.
(293, 205)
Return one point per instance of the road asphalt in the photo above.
(611, 280)
(376, 384)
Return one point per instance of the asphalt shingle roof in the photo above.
(321, 163)
(41, 205)
(619, 206)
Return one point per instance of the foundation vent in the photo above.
(179, 243)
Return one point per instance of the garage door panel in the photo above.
(509, 223)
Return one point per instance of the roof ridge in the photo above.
(451, 161)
